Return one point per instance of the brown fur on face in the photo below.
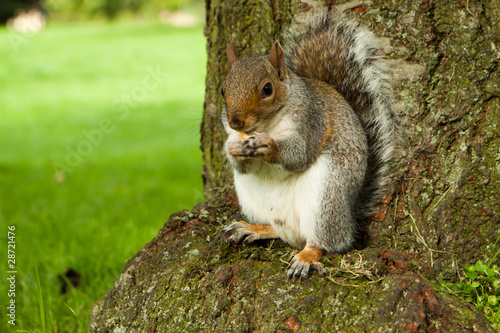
(248, 107)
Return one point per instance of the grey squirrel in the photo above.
(311, 130)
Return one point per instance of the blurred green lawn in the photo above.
(99, 137)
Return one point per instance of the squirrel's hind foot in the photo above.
(304, 261)
(242, 230)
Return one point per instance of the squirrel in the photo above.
(310, 131)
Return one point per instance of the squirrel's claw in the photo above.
(248, 232)
(261, 140)
(305, 261)
(298, 269)
(262, 146)
(239, 232)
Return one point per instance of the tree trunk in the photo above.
(442, 211)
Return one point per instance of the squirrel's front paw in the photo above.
(239, 231)
(264, 146)
(249, 232)
(258, 146)
(240, 149)
(304, 261)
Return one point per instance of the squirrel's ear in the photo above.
(231, 54)
(277, 59)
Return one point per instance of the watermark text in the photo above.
(11, 274)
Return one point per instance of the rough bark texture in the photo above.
(188, 279)
(442, 210)
(446, 197)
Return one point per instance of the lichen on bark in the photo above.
(446, 200)
(188, 279)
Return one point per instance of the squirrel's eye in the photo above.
(222, 91)
(267, 90)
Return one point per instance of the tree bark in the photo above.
(442, 210)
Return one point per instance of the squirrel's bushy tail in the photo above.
(348, 57)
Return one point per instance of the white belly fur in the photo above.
(289, 202)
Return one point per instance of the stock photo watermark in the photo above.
(122, 106)
(11, 274)
(24, 27)
(27, 24)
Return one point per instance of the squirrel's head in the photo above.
(254, 90)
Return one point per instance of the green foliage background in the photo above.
(9, 7)
(94, 214)
(111, 8)
(91, 8)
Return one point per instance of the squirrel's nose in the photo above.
(236, 123)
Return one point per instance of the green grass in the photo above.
(480, 286)
(95, 154)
